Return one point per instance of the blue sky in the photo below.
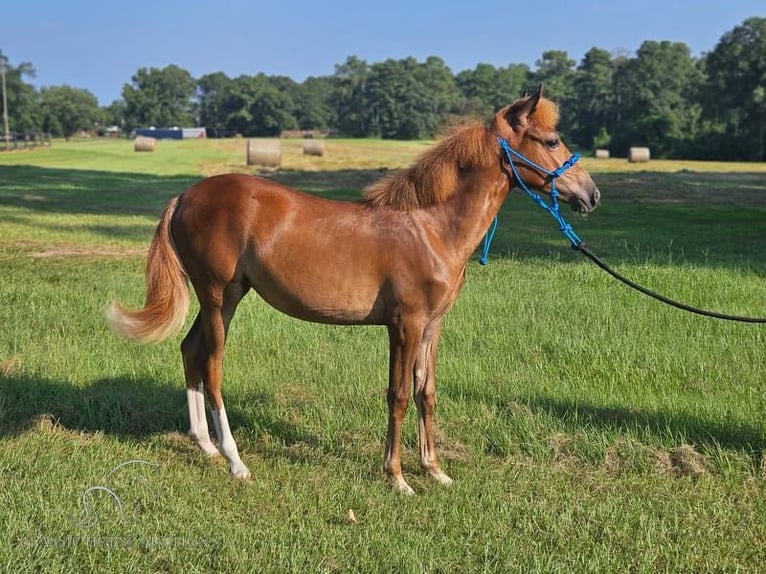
(99, 44)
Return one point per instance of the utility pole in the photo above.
(3, 63)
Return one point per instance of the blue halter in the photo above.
(552, 208)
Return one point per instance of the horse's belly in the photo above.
(323, 299)
(324, 265)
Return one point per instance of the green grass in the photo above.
(587, 427)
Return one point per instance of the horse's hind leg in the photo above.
(215, 315)
(191, 351)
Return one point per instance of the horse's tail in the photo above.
(167, 293)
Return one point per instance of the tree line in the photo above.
(711, 107)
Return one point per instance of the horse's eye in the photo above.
(552, 143)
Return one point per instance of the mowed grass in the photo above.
(587, 428)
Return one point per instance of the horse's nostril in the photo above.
(595, 198)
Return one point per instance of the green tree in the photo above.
(386, 97)
(594, 98)
(349, 97)
(486, 89)
(272, 112)
(656, 93)
(314, 110)
(160, 97)
(23, 101)
(556, 71)
(408, 99)
(442, 97)
(212, 93)
(67, 110)
(248, 105)
(734, 92)
(254, 106)
(114, 114)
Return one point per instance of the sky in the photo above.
(98, 45)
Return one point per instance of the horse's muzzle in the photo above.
(586, 205)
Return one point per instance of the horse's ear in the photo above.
(519, 112)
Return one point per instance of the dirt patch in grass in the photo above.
(78, 251)
(49, 424)
(450, 448)
(626, 455)
(44, 422)
(687, 461)
(9, 366)
(564, 450)
(683, 461)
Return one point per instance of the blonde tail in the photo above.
(167, 293)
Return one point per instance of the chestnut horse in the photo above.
(397, 258)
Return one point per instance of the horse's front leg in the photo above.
(425, 399)
(404, 340)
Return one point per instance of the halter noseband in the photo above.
(552, 208)
(551, 176)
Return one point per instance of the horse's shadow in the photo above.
(707, 433)
(122, 407)
(132, 409)
(574, 415)
(135, 409)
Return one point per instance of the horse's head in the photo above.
(529, 127)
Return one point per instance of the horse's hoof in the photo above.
(240, 472)
(441, 477)
(209, 450)
(205, 445)
(401, 486)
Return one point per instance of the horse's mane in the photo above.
(435, 175)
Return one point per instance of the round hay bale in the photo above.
(313, 147)
(601, 154)
(143, 143)
(638, 155)
(264, 153)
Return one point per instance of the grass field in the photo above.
(588, 428)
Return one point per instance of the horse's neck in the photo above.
(464, 218)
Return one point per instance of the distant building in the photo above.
(172, 133)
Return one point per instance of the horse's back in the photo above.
(240, 198)
(229, 195)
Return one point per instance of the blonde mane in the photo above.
(434, 176)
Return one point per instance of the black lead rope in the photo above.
(577, 243)
(582, 248)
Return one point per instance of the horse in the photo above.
(396, 257)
